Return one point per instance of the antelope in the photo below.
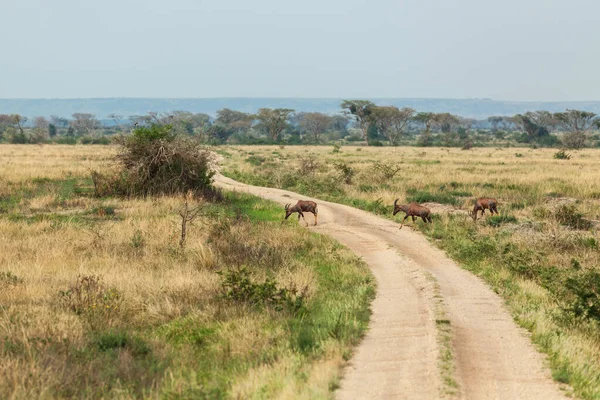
(483, 203)
(301, 207)
(412, 210)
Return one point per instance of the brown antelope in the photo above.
(483, 203)
(413, 210)
(301, 207)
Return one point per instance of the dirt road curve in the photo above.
(398, 358)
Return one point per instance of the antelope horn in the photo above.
(287, 206)
(395, 201)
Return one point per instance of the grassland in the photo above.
(541, 254)
(98, 300)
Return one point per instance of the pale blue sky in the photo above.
(503, 49)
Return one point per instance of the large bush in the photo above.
(154, 160)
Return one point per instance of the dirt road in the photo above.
(398, 358)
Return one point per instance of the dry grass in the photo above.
(97, 298)
(542, 253)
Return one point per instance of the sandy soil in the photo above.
(494, 359)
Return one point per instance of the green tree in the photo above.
(84, 123)
(234, 122)
(576, 125)
(52, 130)
(274, 121)
(390, 121)
(314, 124)
(426, 119)
(361, 111)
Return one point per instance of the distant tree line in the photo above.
(358, 121)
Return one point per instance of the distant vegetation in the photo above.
(355, 121)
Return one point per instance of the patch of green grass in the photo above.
(427, 197)
(497, 220)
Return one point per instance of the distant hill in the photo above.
(101, 107)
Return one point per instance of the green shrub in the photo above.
(255, 160)
(562, 155)
(569, 215)
(116, 340)
(7, 278)
(66, 140)
(346, 172)
(497, 220)
(154, 160)
(583, 292)
(238, 286)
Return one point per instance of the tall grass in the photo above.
(97, 298)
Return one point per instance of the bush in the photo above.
(255, 160)
(154, 160)
(562, 155)
(386, 170)
(569, 215)
(308, 165)
(497, 220)
(583, 292)
(92, 300)
(237, 286)
(66, 140)
(346, 172)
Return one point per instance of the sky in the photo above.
(522, 50)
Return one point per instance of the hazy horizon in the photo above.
(188, 49)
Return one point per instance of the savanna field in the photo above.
(99, 299)
(541, 254)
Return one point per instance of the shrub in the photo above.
(562, 155)
(497, 220)
(92, 300)
(154, 160)
(346, 172)
(7, 278)
(308, 165)
(387, 170)
(569, 215)
(66, 140)
(115, 340)
(336, 148)
(255, 160)
(237, 286)
(583, 292)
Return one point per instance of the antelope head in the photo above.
(396, 207)
(287, 211)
